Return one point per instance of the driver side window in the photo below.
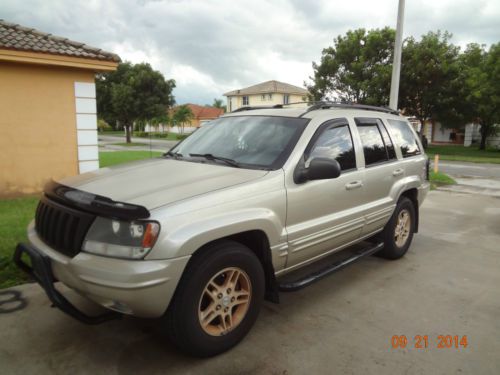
(335, 142)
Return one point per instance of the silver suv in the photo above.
(201, 236)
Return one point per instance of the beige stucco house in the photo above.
(265, 94)
(48, 122)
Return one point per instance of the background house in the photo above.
(48, 123)
(201, 115)
(265, 94)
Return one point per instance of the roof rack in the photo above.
(322, 105)
(328, 105)
(249, 108)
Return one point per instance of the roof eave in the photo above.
(57, 60)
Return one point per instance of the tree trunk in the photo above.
(482, 145)
(127, 131)
(484, 135)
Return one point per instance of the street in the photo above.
(107, 143)
(447, 284)
(474, 178)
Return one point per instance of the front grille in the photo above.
(61, 227)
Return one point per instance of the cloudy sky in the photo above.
(213, 46)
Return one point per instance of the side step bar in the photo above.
(334, 267)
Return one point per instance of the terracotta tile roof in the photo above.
(17, 37)
(201, 112)
(269, 87)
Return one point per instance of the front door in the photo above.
(325, 214)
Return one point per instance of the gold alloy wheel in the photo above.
(402, 230)
(225, 301)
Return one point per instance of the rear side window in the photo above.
(335, 142)
(377, 145)
(405, 138)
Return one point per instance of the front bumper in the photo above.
(136, 287)
(41, 271)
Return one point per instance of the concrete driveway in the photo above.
(448, 284)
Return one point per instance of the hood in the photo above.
(157, 182)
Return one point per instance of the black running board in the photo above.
(334, 267)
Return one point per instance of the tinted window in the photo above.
(405, 138)
(335, 143)
(373, 145)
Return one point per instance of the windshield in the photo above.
(248, 141)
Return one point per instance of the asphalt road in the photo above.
(461, 168)
(448, 284)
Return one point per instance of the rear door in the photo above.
(382, 171)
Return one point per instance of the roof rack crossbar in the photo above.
(250, 108)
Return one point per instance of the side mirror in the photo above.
(319, 169)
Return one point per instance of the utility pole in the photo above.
(396, 65)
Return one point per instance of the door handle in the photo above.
(398, 172)
(353, 185)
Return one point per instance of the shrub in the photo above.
(160, 135)
(182, 136)
(103, 126)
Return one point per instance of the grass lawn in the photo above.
(461, 153)
(132, 144)
(107, 159)
(15, 215)
(440, 178)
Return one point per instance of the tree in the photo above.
(357, 68)
(182, 114)
(133, 93)
(480, 79)
(219, 103)
(429, 78)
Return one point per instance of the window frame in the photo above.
(247, 100)
(327, 125)
(377, 122)
(415, 136)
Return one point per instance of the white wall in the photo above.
(86, 127)
(258, 100)
(442, 134)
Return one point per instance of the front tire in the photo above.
(217, 300)
(398, 233)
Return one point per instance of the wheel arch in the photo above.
(258, 242)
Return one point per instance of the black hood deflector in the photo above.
(95, 204)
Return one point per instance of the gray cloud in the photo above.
(210, 46)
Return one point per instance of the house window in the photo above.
(263, 97)
(270, 96)
(230, 104)
(245, 100)
(286, 99)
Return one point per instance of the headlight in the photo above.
(121, 239)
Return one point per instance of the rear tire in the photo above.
(217, 300)
(398, 233)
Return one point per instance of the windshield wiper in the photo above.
(175, 155)
(228, 161)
